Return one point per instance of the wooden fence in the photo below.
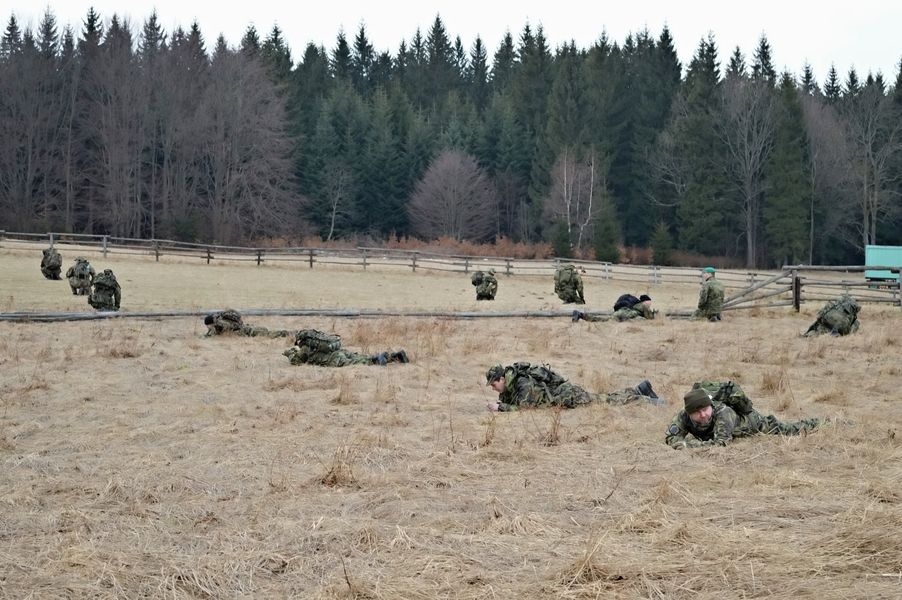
(791, 286)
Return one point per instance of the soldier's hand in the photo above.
(492, 406)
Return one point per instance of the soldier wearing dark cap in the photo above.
(627, 308)
(710, 297)
(523, 385)
(715, 421)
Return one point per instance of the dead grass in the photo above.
(139, 459)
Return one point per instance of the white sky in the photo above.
(860, 33)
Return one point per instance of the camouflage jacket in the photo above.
(639, 311)
(522, 391)
(725, 424)
(488, 287)
(710, 299)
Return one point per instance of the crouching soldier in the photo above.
(80, 276)
(107, 294)
(486, 285)
(627, 308)
(837, 317)
(51, 263)
(314, 347)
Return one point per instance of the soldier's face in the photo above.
(498, 385)
(702, 416)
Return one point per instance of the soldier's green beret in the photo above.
(494, 373)
(708, 269)
(696, 399)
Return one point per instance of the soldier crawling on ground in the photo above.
(229, 321)
(314, 347)
(486, 285)
(568, 285)
(523, 385)
(837, 317)
(715, 412)
(626, 308)
(107, 294)
(51, 263)
(80, 276)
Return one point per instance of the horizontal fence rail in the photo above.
(794, 285)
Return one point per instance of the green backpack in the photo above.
(727, 392)
(564, 277)
(839, 315)
(540, 373)
(317, 340)
(477, 278)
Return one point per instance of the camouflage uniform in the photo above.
(639, 311)
(314, 347)
(107, 294)
(51, 263)
(568, 285)
(230, 321)
(81, 276)
(726, 424)
(710, 300)
(524, 388)
(486, 285)
(837, 317)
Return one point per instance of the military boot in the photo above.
(577, 315)
(381, 359)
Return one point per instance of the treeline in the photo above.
(136, 132)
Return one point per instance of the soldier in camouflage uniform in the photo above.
(313, 347)
(229, 321)
(80, 276)
(708, 422)
(641, 309)
(837, 317)
(486, 285)
(51, 263)
(523, 385)
(107, 294)
(710, 297)
(568, 285)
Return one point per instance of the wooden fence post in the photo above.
(466, 264)
(259, 257)
(414, 262)
(106, 239)
(156, 250)
(209, 256)
(51, 239)
(508, 267)
(364, 259)
(796, 290)
(311, 258)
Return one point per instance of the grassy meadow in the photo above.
(139, 459)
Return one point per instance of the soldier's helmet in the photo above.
(81, 259)
(208, 320)
(107, 271)
(494, 373)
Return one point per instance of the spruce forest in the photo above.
(131, 131)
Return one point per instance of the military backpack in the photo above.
(839, 315)
(317, 341)
(53, 259)
(540, 373)
(565, 277)
(477, 278)
(82, 270)
(727, 392)
(106, 280)
(626, 301)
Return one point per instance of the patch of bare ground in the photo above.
(140, 459)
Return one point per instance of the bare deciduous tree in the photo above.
(876, 137)
(455, 198)
(747, 130)
(578, 189)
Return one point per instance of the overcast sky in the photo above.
(861, 33)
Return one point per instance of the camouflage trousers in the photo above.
(252, 331)
(625, 396)
(299, 355)
(103, 299)
(51, 272)
(755, 422)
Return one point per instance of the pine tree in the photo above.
(362, 62)
(277, 56)
(762, 65)
(477, 76)
(250, 42)
(789, 193)
(809, 83)
(832, 89)
(503, 64)
(736, 66)
(340, 61)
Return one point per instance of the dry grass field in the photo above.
(139, 459)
